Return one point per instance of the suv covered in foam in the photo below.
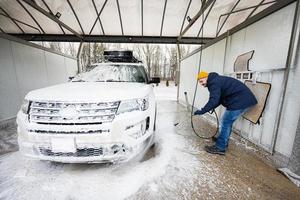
(104, 115)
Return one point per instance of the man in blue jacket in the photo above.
(232, 94)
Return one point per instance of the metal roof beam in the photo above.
(22, 22)
(53, 18)
(243, 9)
(163, 18)
(31, 16)
(47, 6)
(202, 25)
(142, 16)
(120, 16)
(76, 16)
(95, 7)
(111, 39)
(232, 9)
(12, 20)
(268, 11)
(98, 17)
(2, 30)
(187, 10)
(247, 8)
(196, 17)
(255, 9)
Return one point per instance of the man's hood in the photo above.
(90, 92)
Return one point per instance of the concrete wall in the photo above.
(24, 68)
(269, 38)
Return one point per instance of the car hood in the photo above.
(90, 92)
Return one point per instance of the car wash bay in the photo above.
(177, 167)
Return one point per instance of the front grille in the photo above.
(85, 152)
(62, 113)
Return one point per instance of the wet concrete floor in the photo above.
(240, 174)
(189, 172)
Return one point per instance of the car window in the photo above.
(114, 73)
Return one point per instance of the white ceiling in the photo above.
(131, 14)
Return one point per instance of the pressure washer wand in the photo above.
(188, 109)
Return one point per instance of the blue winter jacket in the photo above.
(230, 92)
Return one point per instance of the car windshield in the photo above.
(114, 73)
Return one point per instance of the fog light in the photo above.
(136, 130)
(115, 149)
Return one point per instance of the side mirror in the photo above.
(154, 80)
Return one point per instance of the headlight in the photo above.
(132, 105)
(25, 106)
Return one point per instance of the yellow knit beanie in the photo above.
(202, 74)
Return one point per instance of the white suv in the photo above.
(104, 115)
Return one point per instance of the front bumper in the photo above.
(89, 143)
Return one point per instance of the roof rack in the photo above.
(120, 56)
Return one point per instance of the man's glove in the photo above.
(198, 112)
(212, 111)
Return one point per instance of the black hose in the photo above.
(192, 110)
(205, 137)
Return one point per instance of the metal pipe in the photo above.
(188, 106)
(142, 16)
(224, 59)
(288, 64)
(196, 17)
(78, 57)
(202, 25)
(260, 3)
(2, 30)
(243, 9)
(112, 39)
(95, 7)
(178, 66)
(76, 16)
(235, 5)
(53, 18)
(21, 41)
(98, 17)
(47, 6)
(22, 22)
(247, 8)
(12, 19)
(163, 18)
(31, 16)
(120, 16)
(187, 9)
(273, 8)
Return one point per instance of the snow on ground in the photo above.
(23, 178)
(176, 168)
(8, 139)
